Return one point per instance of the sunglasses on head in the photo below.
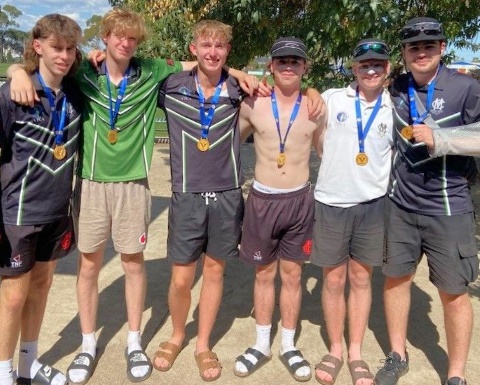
(427, 27)
(379, 48)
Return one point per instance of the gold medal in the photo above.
(112, 136)
(203, 144)
(407, 132)
(281, 159)
(59, 152)
(361, 159)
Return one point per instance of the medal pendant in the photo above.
(361, 159)
(59, 152)
(407, 132)
(203, 145)
(281, 159)
(112, 136)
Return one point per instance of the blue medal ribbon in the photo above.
(206, 118)
(362, 133)
(293, 116)
(58, 120)
(121, 93)
(416, 117)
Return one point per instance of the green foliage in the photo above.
(91, 34)
(11, 38)
(330, 28)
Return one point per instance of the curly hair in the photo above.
(63, 29)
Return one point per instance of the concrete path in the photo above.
(235, 327)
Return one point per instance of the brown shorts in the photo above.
(22, 246)
(119, 209)
(277, 226)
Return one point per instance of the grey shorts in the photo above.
(447, 241)
(277, 226)
(117, 209)
(22, 246)
(208, 223)
(357, 232)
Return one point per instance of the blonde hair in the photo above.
(212, 28)
(121, 20)
(62, 29)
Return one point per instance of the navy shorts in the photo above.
(447, 241)
(22, 246)
(208, 223)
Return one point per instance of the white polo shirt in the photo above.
(341, 181)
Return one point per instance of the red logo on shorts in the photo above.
(307, 247)
(143, 239)
(170, 62)
(66, 241)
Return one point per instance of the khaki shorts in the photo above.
(119, 209)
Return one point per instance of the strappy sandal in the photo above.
(167, 351)
(332, 370)
(359, 374)
(208, 360)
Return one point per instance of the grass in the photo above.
(3, 69)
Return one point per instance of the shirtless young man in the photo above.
(278, 219)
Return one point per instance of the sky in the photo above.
(82, 10)
(78, 10)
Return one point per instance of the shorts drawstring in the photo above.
(209, 195)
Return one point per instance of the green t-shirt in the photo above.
(130, 157)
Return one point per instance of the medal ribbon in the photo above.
(206, 118)
(416, 117)
(58, 121)
(362, 133)
(293, 116)
(121, 93)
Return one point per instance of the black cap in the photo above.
(289, 46)
(422, 29)
(371, 49)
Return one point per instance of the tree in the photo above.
(91, 34)
(11, 39)
(331, 29)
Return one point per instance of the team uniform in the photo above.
(35, 186)
(113, 180)
(206, 209)
(431, 209)
(350, 199)
(277, 224)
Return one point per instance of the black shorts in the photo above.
(447, 241)
(277, 226)
(208, 223)
(22, 246)
(357, 232)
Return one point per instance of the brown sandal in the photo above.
(332, 370)
(359, 374)
(208, 360)
(169, 353)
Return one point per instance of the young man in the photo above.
(350, 203)
(206, 208)
(38, 147)
(430, 198)
(279, 212)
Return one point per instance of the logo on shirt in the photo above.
(257, 256)
(342, 117)
(142, 239)
(382, 130)
(37, 114)
(170, 62)
(185, 92)
(437, 106)
(17, 261)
